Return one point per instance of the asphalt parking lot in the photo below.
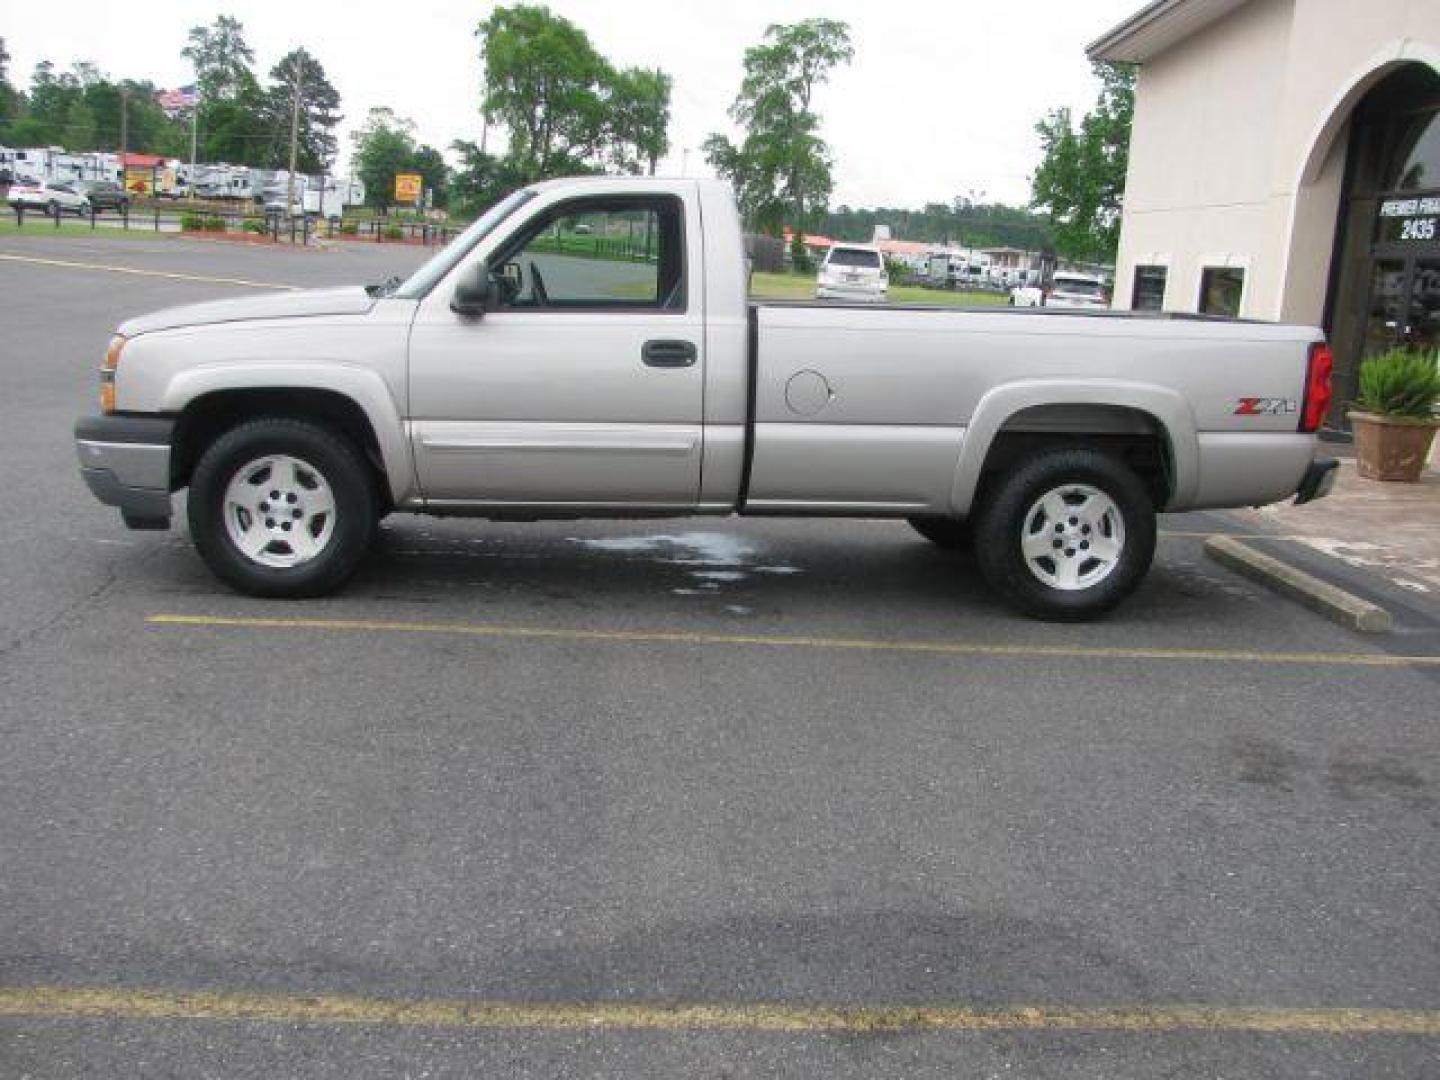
(691, 798)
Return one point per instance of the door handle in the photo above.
(668, 353)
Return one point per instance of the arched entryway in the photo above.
(1385, 277)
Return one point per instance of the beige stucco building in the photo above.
(1285, 164)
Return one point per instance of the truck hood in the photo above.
(346, 300)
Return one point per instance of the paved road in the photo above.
(771, 768)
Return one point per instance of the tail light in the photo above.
(1319, 390)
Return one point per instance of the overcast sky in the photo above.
(941, 99)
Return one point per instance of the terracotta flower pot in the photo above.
(1391, 447)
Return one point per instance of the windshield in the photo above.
(424, 279)
(853, 257)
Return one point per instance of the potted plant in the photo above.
(1394, 416)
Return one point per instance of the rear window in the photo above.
(1078, 288)
(868, 260)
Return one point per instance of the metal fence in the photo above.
(227, 221)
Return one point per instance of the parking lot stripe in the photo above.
(686, 637)
(60, 1003)
(205, 278)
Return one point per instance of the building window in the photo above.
(1418, 152)
(1220, 290)
(1149, 293)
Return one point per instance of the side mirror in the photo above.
(471, 292)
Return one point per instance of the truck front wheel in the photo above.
(281, 508)
(1066, 535)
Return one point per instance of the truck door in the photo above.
(581, 384)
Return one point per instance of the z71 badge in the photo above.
(1264, 406)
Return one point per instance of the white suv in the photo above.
(1069, 290)
(54, 199)
(852, 272)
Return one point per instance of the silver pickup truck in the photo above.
(587, 349)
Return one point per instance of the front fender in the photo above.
(1169, 410)
(363, 386)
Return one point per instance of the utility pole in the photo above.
(294, 134)
(194, 141)
(124, 128)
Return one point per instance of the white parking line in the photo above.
(172, 275)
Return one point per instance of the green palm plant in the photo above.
(1400, 382)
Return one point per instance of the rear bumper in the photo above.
(1319, 478)
(125, 461)
(850, 292)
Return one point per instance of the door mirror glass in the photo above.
(471, 291)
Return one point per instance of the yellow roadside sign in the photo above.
(407, 187)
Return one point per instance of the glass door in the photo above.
(1386, 317)
(1423, 329)
(1404, 305)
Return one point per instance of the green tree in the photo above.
(546, 83)
(51, 97)
(9, 96)
(782, 169)
(481, 180)
(236, 130)
(565, 107)
(235, 122)
(80, 133)
(430, 164)
(383, 147)
(149, 129)
(637, 104)
(319, 113)
(1080, 183)
(222, 60)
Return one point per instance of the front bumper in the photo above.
(1319, 478)
(126, 462)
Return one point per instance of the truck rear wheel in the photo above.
(282, 508)
(1066, 535)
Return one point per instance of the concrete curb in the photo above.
(1334, 603)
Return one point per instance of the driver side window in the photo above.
(599, 254)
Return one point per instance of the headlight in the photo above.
(107, 373)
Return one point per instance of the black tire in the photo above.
(330, 455)
(1005, 520)
(952, 534)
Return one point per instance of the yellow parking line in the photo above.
(685, 637)
(74, 265)
(59, 1003)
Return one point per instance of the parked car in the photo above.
(53, 199)
(1067, 290)
(852, 272)
(1071, 290)
(107, 195)
(619, 387)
